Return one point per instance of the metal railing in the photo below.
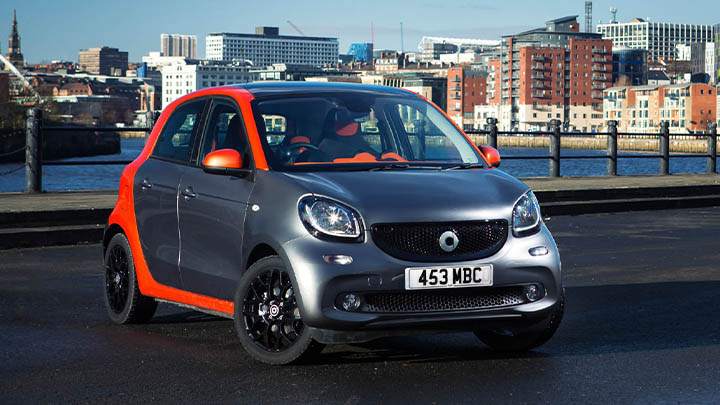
(34, 139)
(612, 156)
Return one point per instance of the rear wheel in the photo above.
(510, 341)
(267, 317)
(123, 300)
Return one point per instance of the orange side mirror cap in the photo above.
(223, 158)
(492, 155)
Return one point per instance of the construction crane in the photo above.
(296, 28)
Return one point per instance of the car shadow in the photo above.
(598, 320)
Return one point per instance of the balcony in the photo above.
(596, 94)
(537, 58)
(539, 94)
(538, 66)
(599, 86)
(455, 97)
(515, 95)
(515, 76)
(505, 86)
(599, 59)
(455, 88)
(601, 77)
(538, 76)
(599, 68)
(456, 79)
(537, 85)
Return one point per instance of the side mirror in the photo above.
(492, 155)
(224, 161)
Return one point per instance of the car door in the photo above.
(212, 208)
(156, 191)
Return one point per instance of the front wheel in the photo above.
(267, 317)
(509, 341)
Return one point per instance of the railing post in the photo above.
(612, 145)
(149, 120)
(665, 147)
(33, 151)
(492, 136)
(555, 148)
(712, 148)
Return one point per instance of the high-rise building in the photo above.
(555, 72)
(14, 55)
(629, 67)
(704, 61)
(362, 52)
(660, 39)
(466, 89)
(267, 47)
(103, 61)
(178, 45)
(185, 76)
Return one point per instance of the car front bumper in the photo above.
(372, 271)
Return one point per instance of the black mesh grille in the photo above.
(421, 241)
(451, 300)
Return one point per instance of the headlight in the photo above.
(526, 215)
(325, 217)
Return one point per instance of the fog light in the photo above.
(351, 302)
(533, 292)
(538, 251)
(338, 259)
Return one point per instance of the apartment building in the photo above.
(267, 47)
(660, 39)
(704, 60)
(466, 89)
(556, 72)
(188, 75)
(178, 45)
(688, 107)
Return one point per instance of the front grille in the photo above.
(421, 241)
(451, 300)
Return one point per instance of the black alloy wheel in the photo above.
(123, 300)
(267, 316)
(270, 311)
(117, 279)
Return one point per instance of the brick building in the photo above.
(548, 73)
(466, 89)
(688, 107)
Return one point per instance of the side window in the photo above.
(176, 139)
(225, 130)
(276, 128)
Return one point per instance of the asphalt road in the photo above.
(642, 325)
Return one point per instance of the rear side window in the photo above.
(176, 139)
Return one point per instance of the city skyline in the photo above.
(140, 34)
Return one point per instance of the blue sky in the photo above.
(58, 29)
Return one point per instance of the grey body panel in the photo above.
(156, 216)
(211, 232)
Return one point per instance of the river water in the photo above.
(106, 177)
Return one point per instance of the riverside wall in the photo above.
(636, 143)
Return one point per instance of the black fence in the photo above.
(555, 136)
(34, 161)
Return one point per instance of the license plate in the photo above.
(478, 275)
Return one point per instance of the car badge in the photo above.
(448, 241)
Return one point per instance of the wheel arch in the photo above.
(110, 231)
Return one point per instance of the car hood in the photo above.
(419, 195)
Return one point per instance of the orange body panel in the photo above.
(123, 214)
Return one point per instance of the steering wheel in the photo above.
(291, 152)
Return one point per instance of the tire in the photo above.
(267, 317)
(524, 341)
(123, 300)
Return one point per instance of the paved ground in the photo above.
(642, 325)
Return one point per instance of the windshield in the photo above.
(333, 131)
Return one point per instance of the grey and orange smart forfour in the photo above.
(315, 213)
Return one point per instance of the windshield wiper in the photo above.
(402, 166)
(464, 166)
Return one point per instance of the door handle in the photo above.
(145, 185)
(188, 193)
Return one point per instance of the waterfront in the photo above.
(106, 177)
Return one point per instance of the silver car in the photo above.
(314, 214)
